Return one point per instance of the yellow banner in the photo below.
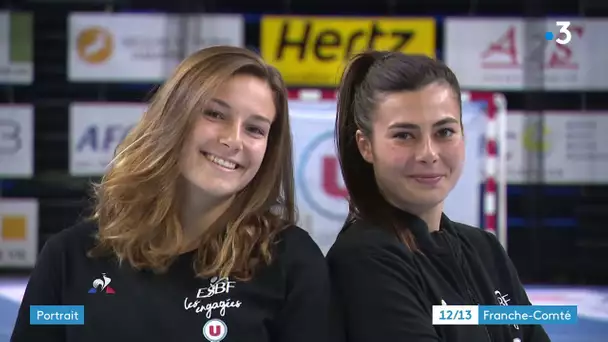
(312, 51)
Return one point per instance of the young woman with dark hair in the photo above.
(401, 148)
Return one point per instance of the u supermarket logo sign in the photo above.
(320, 180)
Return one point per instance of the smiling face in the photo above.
(228, 140)
(417, 146)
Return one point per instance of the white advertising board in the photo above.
(16, 141)
(139, 47)
(557, 147)
(18, 232)
(515, 54)
(95, 131)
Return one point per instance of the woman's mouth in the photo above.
(224, 163)
(427, 179)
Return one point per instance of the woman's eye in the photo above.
(446, 132)
(403, 135)
(257, 130)
(213, 114)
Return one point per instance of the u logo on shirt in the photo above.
(215, 330)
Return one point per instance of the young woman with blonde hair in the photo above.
(194, 233)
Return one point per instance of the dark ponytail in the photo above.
(352, 164)
(356, 104)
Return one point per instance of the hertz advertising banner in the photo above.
(312, 51)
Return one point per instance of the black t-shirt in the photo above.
(287, 301)
(385, 292)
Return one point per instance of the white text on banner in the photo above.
(504, 315)
(95, 131)
(18, 232)
(514, 54)
(16, 141)
(122, 47)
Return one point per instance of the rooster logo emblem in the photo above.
(102, 285)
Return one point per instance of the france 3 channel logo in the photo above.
(564, 37)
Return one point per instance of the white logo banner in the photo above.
(524, 54)
(557, 147)
(121, 47)
(16, 141)
(95, 131)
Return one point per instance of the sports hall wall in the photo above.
(74, 76)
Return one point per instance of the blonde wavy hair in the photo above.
(137, 201)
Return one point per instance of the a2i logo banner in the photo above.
(527, 54)
(16, 141)
(96, 129)
(313, 51)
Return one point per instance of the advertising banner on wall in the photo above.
(557, 147)
(18, 232)
(320, 190)
(138, 47)
(96, 129)
(526, 54)
(16, 48)
(312, 51)
(16, 141)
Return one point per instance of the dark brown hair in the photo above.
(137, 201)
(367, 76)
